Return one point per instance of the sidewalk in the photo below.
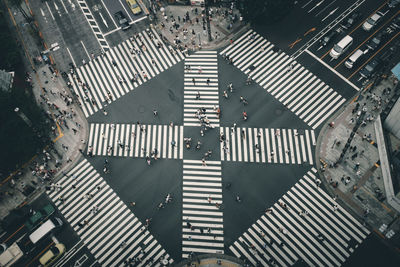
(44, 168)
(357, 179)
(172, 23)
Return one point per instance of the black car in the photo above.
(324, 41)
(351, 20)
(370, 68)
(122, 20)
(376, 41)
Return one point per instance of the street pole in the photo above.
(208, 20)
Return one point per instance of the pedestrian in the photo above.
(155, 112)
(194, 81)
(208, 81)
(203, 162)
(198, 95)
(225, 94)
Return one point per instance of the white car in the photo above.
(372, 21)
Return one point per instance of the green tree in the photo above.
(264, 11)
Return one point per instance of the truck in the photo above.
(11, 255)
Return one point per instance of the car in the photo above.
(122, 20)
(393, 3)
(370, 68)
(136, 10)
(324, 41)
(372, 21)
(376, 41)
(52, 254)
(351, 20)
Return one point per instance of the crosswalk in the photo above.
(306, 224)
(135, 140)
(202, 216)
(289, 82)
(284, 146)
(121, 69)
(105, 224)
(201, 88)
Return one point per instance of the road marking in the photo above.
(47, 4)
(330, 14)
(331, 25)
(325, 8)
(70, 55)
(371, 57)
(109, 14)
(66, 11)
(333, 70)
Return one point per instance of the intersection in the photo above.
(204, 191)
(250, 190)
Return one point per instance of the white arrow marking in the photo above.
(330, 14)
(104, 21)
(316, 5)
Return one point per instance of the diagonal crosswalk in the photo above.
(306, 224)
(108, 228)
(284, 146)
(202, 216)
(121, 69)
(289, 82)
(136, 140)
(201, 89)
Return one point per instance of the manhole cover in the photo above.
(141, 109)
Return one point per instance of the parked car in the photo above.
(136, 10)
(370, 68)
(351, 20)
(122, 20)
(372, 21)
(377, 40)
(52, 254)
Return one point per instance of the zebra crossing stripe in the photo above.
(110, 76)
(202, 195)
(93, 25)
(130, 140)
(201, 78)
(285, 79)
(113, 221)
(275, 146)
(320, 237)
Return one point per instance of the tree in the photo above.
(264, 11)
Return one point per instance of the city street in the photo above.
(208, 151)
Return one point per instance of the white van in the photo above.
(339, 48)
(45, 229)
(353, 58)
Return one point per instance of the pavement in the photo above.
(358, 181)
(13, 186)
(222, 27)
